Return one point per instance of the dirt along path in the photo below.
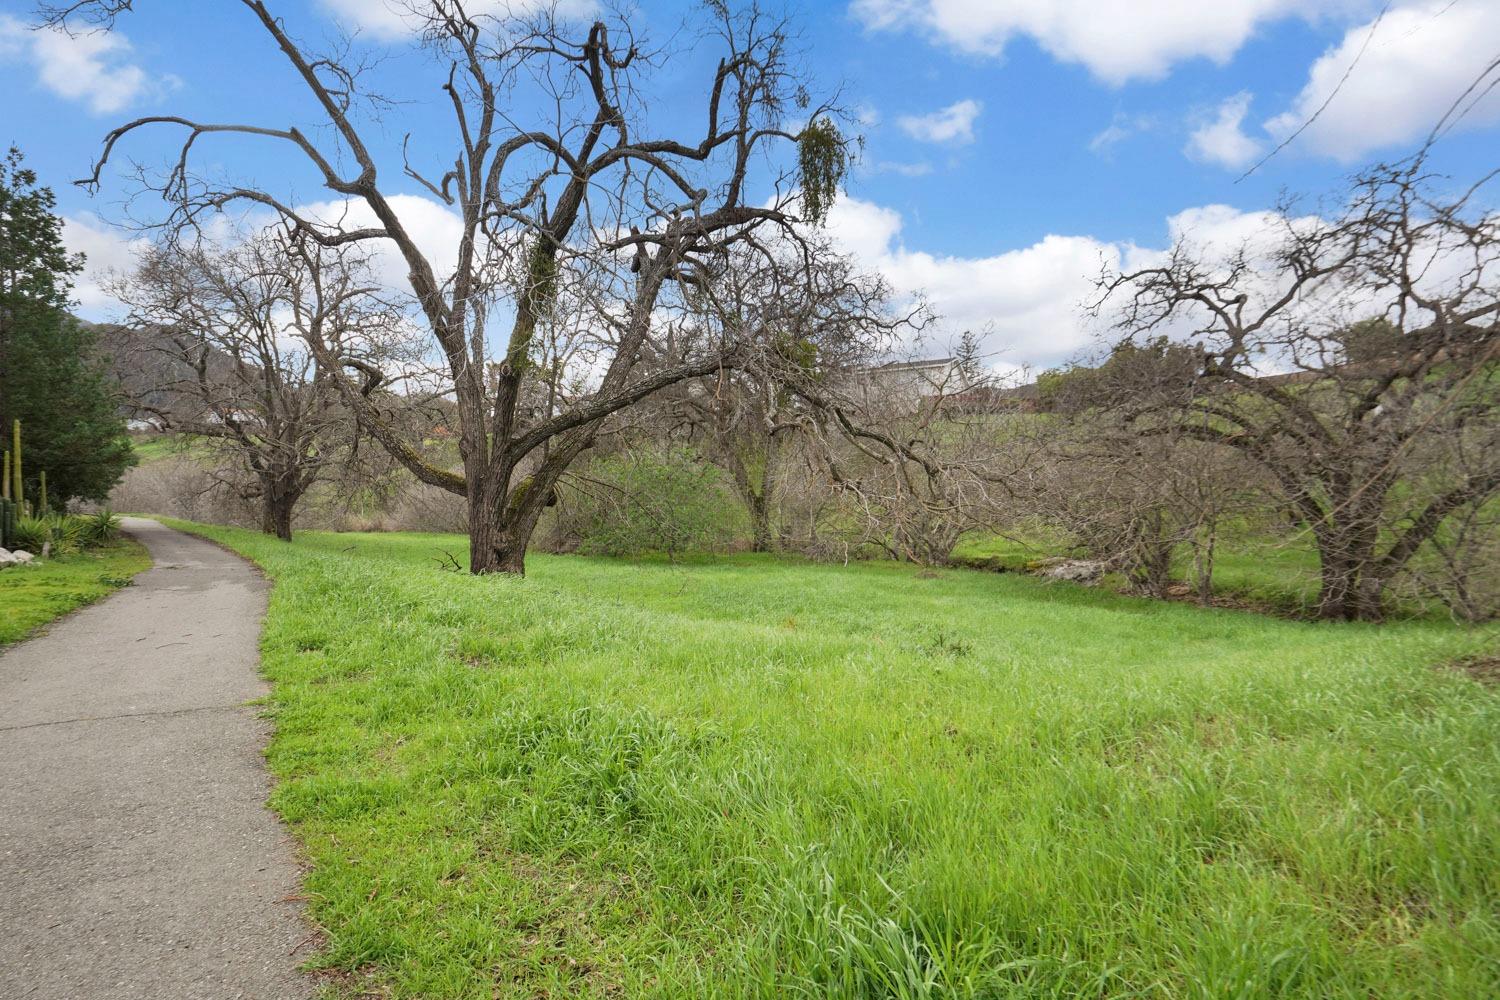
(137, 857)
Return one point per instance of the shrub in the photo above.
(64, 532)
(67, 533)
(666, 501)
(185, 486)
(100, 528)
(31, 533)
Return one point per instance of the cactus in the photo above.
(5, 481)
(17, 492)
(8, 515)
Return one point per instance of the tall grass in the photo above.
(762, 778)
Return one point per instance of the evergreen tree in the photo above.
(51, 376)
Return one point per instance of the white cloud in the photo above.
(919, 169)
(954, 124)
(1120, 128)
(1223, 140)
(433, 227)
(1419, 61)
(1107, 138)
(1026, 302)
(109, 251)
(1219, 230)
(377, 17)
(1116, 41)
(392, 20)
(1029, 304)
(91, 67)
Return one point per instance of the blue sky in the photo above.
(1010, 144)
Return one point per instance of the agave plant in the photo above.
(100, 528)
(68, 532)
(31, 533)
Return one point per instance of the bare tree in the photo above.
(813, 321)
(219, 337)
(916, 460)
(1132, 502)
(573, 201)
(1384, 322)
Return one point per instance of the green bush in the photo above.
(665, 501)
(65, 532)
(31, 533)
(100, 528)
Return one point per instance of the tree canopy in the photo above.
(52, 378)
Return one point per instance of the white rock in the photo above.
(22, 556)
(1082, 571)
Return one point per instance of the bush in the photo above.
(64, 532)
(666, 501)
(100, 528)
(67, 533)
(31, 534)
(182, 486)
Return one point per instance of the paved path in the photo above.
(137, 858)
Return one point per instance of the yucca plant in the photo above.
(100, 528)
(31, 533)
(68, 532)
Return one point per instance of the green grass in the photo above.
(152, 447)
(1271, 573)
(32, 596)
(765, 778)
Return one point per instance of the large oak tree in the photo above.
(1353, 360)
(218, 348)
(564, 191)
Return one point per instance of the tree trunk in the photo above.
(494, 543)
(1150, 556)
(1203, 563)
(760, 523)
(1349, 590)
(502, 521)
(497, 543)
(276, 514)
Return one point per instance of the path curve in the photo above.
(137, 857)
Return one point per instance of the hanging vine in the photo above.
(823, 159)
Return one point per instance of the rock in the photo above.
(21, 556)
(6, 559)
(1084, 571)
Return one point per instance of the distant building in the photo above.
(910, 382)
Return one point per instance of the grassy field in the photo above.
(1268, 573)
(32, 596)
(763, 778)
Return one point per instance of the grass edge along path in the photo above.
(754, 778)
(32, 597)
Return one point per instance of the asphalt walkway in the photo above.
(137, 857)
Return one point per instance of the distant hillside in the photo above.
(143, 371)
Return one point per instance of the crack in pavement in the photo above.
(126, 715)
